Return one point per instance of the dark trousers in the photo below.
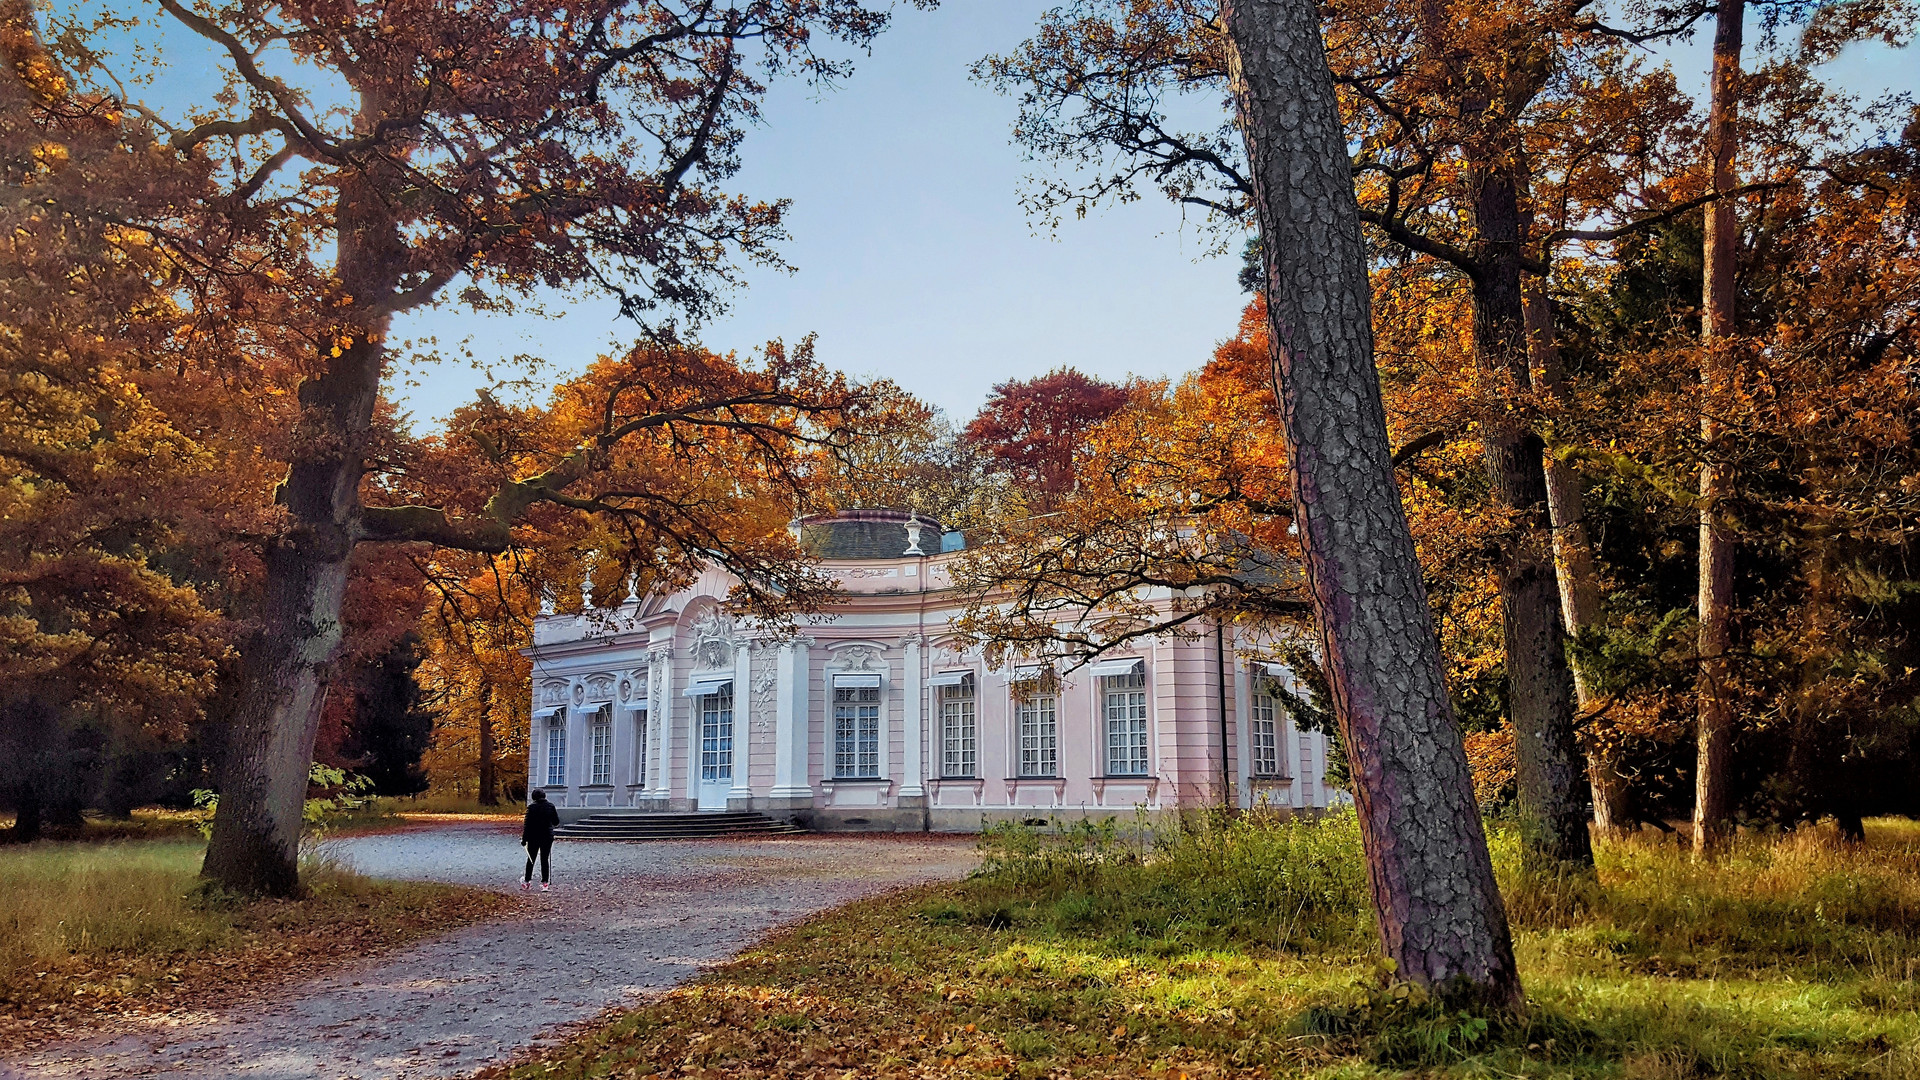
(542, 850)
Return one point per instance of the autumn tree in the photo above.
(1030, 426)
(1815, 461)
(1436, 165)
(927, 465)
(384, 156)
(102, 644)
(474, 676)
(641, 472)
(1182, 492)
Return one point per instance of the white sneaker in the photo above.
(526, 885)
(545, 887)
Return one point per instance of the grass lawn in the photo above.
(94, 933)
(1244, 949)
(145, 823)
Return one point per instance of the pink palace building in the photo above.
(879, 718)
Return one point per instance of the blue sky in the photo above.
(913, 258)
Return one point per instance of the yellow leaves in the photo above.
(50, 155)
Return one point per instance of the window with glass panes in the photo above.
(716, 735)
(856, 731)
(1039, 734)
(1125, 698)
(639, 748)
(959, 745)
(557, 748)
(1264, 730)
(600, 747)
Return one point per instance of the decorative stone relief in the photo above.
(553, 692)
(600, 687)
(765, 684)
(858, 658)
(713, 641)
(579, 694)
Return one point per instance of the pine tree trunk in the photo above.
(289, 658)
(1440, 915)
(1574, 564)
(1552, 802)
(1711, 800)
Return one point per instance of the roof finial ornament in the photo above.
(914, 525)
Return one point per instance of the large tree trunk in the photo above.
(1574, 565)
(289, 658)
(1552, 804)
(1715, 735)
(27, 820)
(489, 780)
(1440, 914)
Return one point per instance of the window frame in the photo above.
(862, 749)
(1136, 719)
(556, 748)
(1263, 748)
(600, 748)
(1041, 707)
(710, 772)
(964, 700)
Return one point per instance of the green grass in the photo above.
(1245, 948)
(147, 822)
(91, 931)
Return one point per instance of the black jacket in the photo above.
(540, 823)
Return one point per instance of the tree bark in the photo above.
(489, 781)
(1440, 914)
(1715, 717)
(26, 814)
(1540, 701)
(289, 658)
(1574, 565)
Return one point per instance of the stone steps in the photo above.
(639, 825)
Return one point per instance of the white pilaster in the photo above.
(742, 721)
(579, 756)
(913, 714)
(1243, 726)
(660, 664)
(790, 780)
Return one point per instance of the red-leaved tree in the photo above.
(1031, 426)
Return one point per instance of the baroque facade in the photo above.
(878, 717)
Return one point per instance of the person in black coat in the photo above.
(536, 835)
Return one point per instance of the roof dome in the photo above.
(877, 533)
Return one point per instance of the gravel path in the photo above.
(624, 920)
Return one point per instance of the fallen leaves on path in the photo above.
(273, 942)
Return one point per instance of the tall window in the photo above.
(856, 731)
(557, 748)
(600, 746)
(959, 747)
(716, 734)
(1126, 708)
(1265, 730)
(1039, 734)
(639, 748)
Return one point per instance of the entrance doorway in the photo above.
(716, 747)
